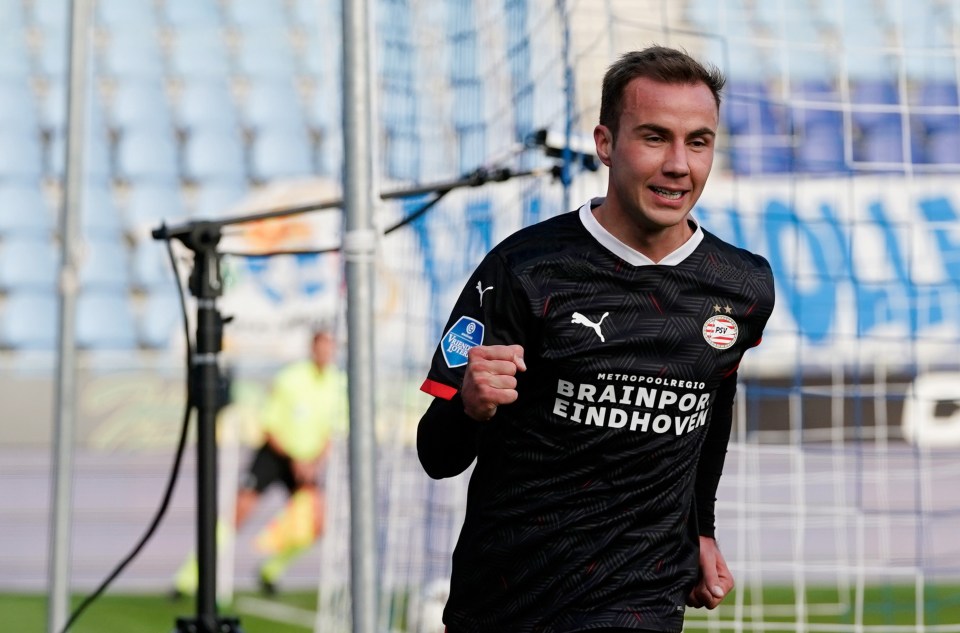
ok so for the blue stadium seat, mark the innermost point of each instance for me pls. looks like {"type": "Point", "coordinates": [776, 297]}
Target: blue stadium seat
{"type": "Point", "coordinates": [51, 14]}
{"type": "Point", "coordinates": [23, 210]}
{"type": "Point", "coordinates": [280, 154]}
{"type": "Point", "coordinates": [273, 104]}
{"type": "Point", "coordinates": [21, 155]}
{"type": "Point", "coordinates": [815, 103]}
{"type": "Point", "coordinates": [162, 318]}
{"type": "Point", "coordinates": [53, 54]}
{"type": "Point", "coordinates": [125, 13]}
{"type": "Point", "coordinates": [943, 147]}
{"type": "Point", "coordinates": [748, 109]}
{"type": "Point", "coordinates": [266, 52]}
{"type": "Point", "coordinates": [752, 156]}
{"type": "Point", "coordinates": [147, 155]}
{"type": "Point", "coordinates": [28, 262]}
{"type": "Point", "coordinates": [149, 204]}
{"type": "Point", "coordinates": [206, 103]}
{"type": "Point", "coordinates": [937, 106]}
{"type": "Point", "coordinates": [17, 105]}
{"type": "Point", "coordinates": [14, 55]}
{"type": "Point", "coordinates": [99, 215]}
{"type": "Point", "coordinates": [151, 267]}
{"type": "Point", "coordinates": [140, 103]}
{"type": "Point", "coordinates": [105, 321]}
{"type": "Point", "coordinates": [214, 154]}
{"type": "Point", "coordinates": [12, 17]}
{"type": "Point", "coordinates": [134, 52]}
{"type": "Point", "coordinates": [200, 52]}
{"type": "Point", "coordinates": [874, 103]}
{"type": "Point", "coordinates": [820, 150]}
{"type": "Point", "coordinates": [191, 13]}
{"type": "Point", "coordinates": [257, 13]}
{"type": "Point", "coordinates": [29, 320]}
{"type": "Point", "coordinates": [885, 144]}
{"type": "Point", "coordinates": [96, 157]}
{"type": "Point", "coordinates": [104, 264]}
{"type": "Point", "coordinates": [216, 198]}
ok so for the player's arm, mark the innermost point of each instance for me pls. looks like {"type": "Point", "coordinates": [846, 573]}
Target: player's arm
{"type": "Point", "coordinates": [715, 579]}
{"type": "Point", "coordinates": [447, 438]}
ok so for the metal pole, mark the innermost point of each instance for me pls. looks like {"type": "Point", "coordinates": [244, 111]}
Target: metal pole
{"type": "Point", "coordinates": [62, 457]}
{"type": "Point", "coordinates": [358, 248]}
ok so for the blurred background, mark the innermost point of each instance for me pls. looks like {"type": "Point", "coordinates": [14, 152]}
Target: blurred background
{"type": "Point", "coordinates": [838, 161]}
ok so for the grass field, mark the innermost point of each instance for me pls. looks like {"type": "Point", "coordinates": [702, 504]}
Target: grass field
{"type": "Point", "coordinates": [828, 610]}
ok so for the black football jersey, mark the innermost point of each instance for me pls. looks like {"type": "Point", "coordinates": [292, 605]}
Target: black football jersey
{"type": "Point", "coordinates": [579, 506]}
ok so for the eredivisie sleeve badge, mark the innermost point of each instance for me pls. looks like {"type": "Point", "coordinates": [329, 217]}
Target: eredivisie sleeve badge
{"type": "Point", "coordinates": [458, 340]}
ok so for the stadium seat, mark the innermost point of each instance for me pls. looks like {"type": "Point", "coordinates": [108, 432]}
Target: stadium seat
{"type": "Point", "coordinates": [21, 155]}
{"type": "Point", "coordinates": [104, 264]}
{"type": "Point", "coordinates": [15, 51]}
{"type": "Point", "coordinates": [105, 321]}
{"type": "Point", "coordinates": [151, 266]}
{"type": "Point", "coordinates": [874, 103]}
{"type": "Point", "coordinates": [885, 145]}
{"type": "Point", "coordinates": [17, 105]}
{"type": "Point", "coordinates": [215, 199]}
{"type": "Point", "coordinates": [29, 320]}
{"type": "Point", "coordinates": [162, 318]}
{"type": "Point", "coordinates": [280, 154]}
{"type": "Point", "coordinates": [28, 262]}
{"type": "Point", "coordinates": [199, 52]}
{"type": "Point", "coordinates": [99, 215]}
{"type": "Point", "coordinates": [125, 13]}
{"type": "Point", "coordinates": [51, 14]}
{"type": "Point", "coordinates": [134, 52]}
{"type": "Point", "coordinates": [150, 204]}
{"type": "Point", "coordinates": [273, 104]}
{"type": "Point", "coordinates": [192, 13]}
{"type": "Point", "coordinates": [266, 52]}
{"type": "Point", "coordinates": [53, 54]}
{"type": "Point", "coordinates": [815, 103]}
{"type": "Point", "coordinates": [752, 156]}
{"type": "Point", "coordinates": [214, 154]}
{"type": "Point", "coordinates": [147, 155]}
{"type": "Point", "coordinates": [943, 147]}
{"type": "Point", "coordinates": [257, 13]}
{"type": "Point", "coordinates": [820, 150]}
{"type": "Point", "coordinates": [140, 103]}
{"type": "Point", "coordinates": [96, 165]}
{"type": "Point", "coordinates": [748, 109]}
{"type": "Point", "coordinates": [206, 103]}
{"type": "Point", "coordinates": [24, 211]}
{"type": "Point", "coordinates": [936, 106]}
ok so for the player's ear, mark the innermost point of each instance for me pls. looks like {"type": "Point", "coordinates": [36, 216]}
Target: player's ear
{"type": "Point", "coordinates": [603, 139]}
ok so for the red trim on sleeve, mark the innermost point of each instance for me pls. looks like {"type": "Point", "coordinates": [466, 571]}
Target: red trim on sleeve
{"type": "Point", "coordinates": [438, 389]}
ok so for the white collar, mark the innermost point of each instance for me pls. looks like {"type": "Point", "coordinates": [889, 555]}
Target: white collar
{"type": "Point", "coordinates": [628, 254]}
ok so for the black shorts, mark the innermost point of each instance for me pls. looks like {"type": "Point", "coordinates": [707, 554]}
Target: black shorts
{"type": "Point", "coordinates": [266, 468]}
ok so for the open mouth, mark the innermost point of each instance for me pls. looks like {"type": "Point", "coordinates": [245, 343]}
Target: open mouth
{"type": "Point", "coordinates": [666, 193]}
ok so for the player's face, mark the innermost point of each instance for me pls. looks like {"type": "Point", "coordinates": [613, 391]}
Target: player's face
{"type": "Point", "coordinates": [662, 155]}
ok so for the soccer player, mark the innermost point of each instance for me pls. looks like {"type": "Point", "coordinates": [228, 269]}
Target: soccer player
{"type": "Point", "coordinates": [589, 367]}
{"type": "Point", "coordinates": [306, 407]}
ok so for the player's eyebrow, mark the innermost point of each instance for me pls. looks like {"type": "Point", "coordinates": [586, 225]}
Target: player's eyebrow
{"type": "Point", "coordinates": [665, 132]}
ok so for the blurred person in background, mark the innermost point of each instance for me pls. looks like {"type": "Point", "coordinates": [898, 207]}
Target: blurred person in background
{"type": "Point", "coordinates": [305, 410]}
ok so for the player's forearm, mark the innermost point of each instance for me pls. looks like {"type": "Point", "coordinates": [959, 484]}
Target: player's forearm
{"type": "Point", "coordinates": [446, 438]}
{"type": "Point", "coordinates": [712, 456]}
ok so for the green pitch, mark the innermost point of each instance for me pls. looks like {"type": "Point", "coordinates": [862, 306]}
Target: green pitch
{"type": "Point", "coordinates": [775, 607]}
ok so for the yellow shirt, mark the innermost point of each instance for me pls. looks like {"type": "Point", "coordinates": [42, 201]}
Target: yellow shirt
{"type": "Point", "coordinates": [305, 408]}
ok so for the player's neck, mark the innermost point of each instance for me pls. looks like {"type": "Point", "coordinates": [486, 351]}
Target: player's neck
{"type": "Point", "coordinates": [654, 242]}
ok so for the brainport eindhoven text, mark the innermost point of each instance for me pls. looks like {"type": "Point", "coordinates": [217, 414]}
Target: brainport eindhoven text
{"type": "Point", "coordinates": [651, 409]}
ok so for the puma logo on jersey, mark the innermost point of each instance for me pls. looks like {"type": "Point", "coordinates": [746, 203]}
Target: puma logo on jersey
{"type": "Point", "coordinates": [482, 290]}
{"type": "Point", "coordinates": [582, 320]}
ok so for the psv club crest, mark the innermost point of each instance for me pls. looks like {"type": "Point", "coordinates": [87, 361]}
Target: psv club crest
{"type": "Point", "coordinates": [720, 331]}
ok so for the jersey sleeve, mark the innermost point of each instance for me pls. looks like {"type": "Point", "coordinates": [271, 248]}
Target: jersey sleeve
{"type": "Point", "coordinates": [713, 454]}
{"type": "Point", "coordinates": [492, 309]}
